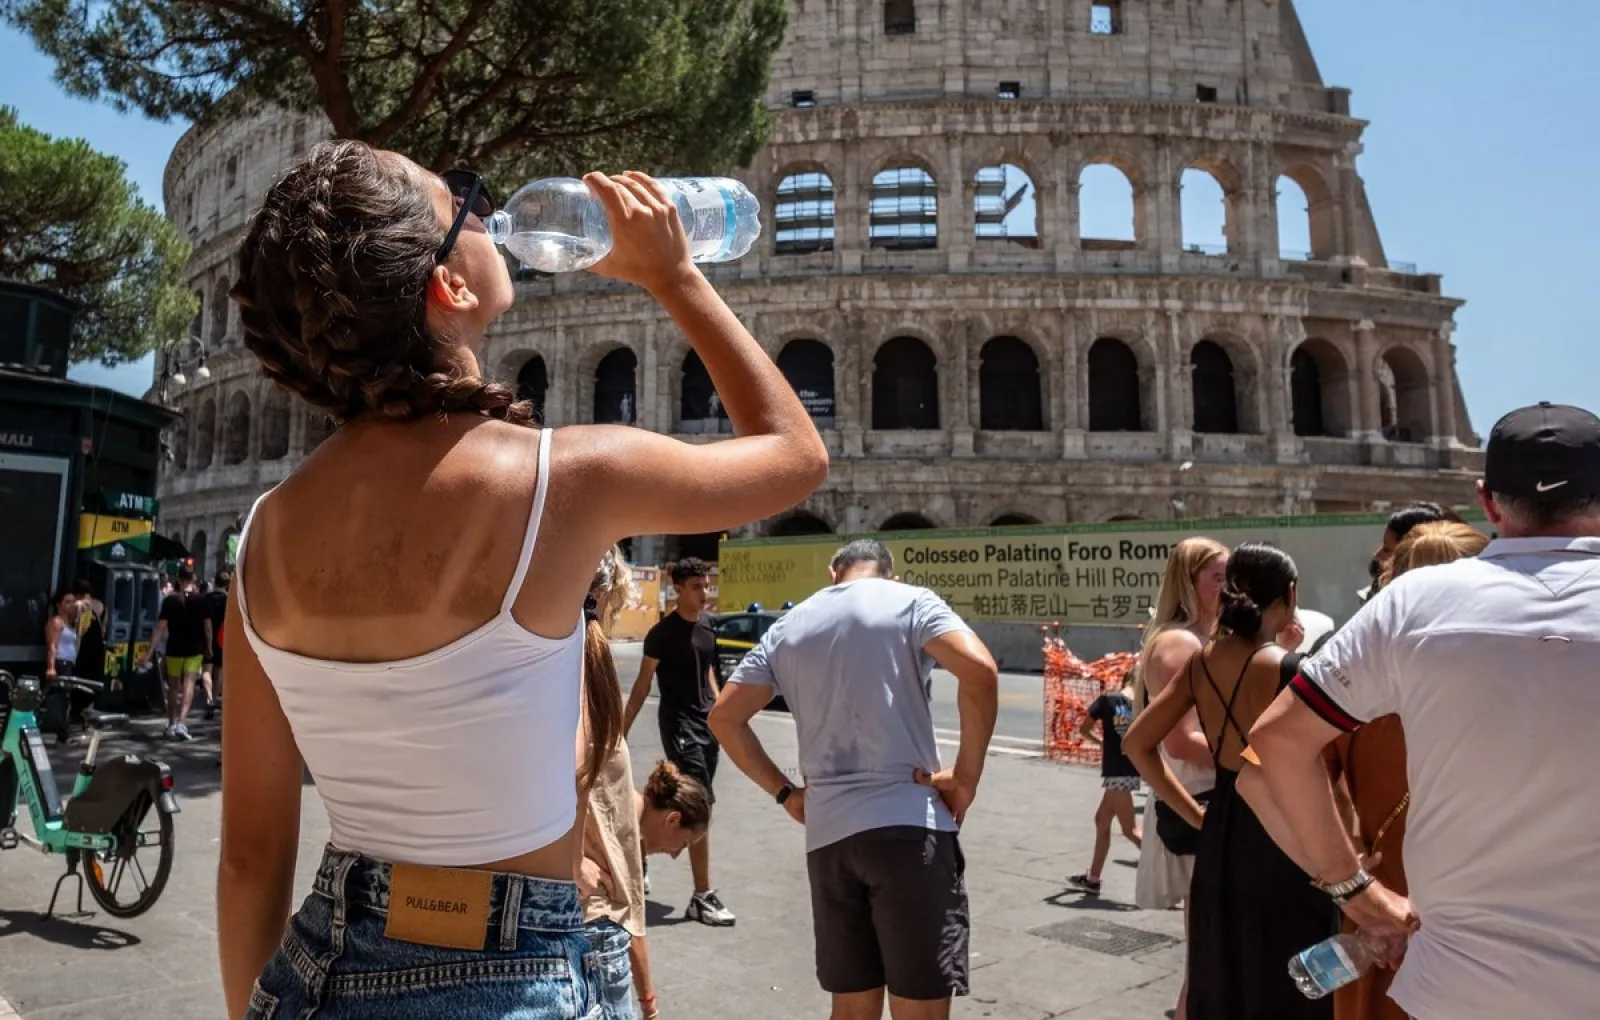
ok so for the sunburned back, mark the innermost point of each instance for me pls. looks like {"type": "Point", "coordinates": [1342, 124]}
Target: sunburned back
{"type": "Point", "coordinates": [1234, 680]}
{"type": "Point", "coordinates": [393, 541]}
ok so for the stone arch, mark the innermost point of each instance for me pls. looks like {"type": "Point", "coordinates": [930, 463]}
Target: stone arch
{"type": "Point", "coordinates": [1010, 386]}
{"type": "Point", "coordinates": [700, 409]}
{"type": "Point", "coordinates": [903, 210]}
{"type": "Point", "coordinates": [803, 211]}
{"type": "Point", "coordinates": [1319, 390]}
{"type": "Point", "coordinates": [205, 434]}
{"type": "Point", "coordinates": [1014, 520]}
{"type": "Point", "coordinates": [180, 447]}
{"type": "Point", "coordinates": [908, 521]}
{"type": "Point", "coordinates": [1307, 214]}
{"type": "Point", "coordinates": [318, 427]}
{"type": "Point", "coordinates": [275, 425]}
{"type": "Point", "coordinates": [905, 385]}
{"type": "Point", "coordinates": [533, 384]}
{"type": "Point", "coordinates": [616, 387]}
{"type": "Point", "coordinates": [808, 365]}
{"type": "Point", "coordinates": [236, 438]}
{"type": "Point", "coordinates": [1005, 204]}
{"type": "Point", "coordinates": [1210, 194]}
{"type": "Point", "coordinates": [1405, 397]}
{"type": "Point", "coordinates": [1214, 385]}
{"type": "Point", "coordinates": [798, 522]}
{"type": "Point", "coordinates": [1110, 214]}
{"type": "Point", "coordinates": [219, 313]}
{"type": "Point", "coordinates": [1116, 400]}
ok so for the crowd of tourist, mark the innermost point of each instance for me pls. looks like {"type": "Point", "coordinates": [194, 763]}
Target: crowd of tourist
{"type": "Point", "coordinates": [467, 729]}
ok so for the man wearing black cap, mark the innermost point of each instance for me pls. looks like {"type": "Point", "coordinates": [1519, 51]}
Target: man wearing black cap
{"type": "Point", "coordinates": [1493, 665]}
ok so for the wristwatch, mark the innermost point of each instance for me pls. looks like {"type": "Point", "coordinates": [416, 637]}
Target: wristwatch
{"type": "Point", "coordinates": [1342, 891]}
{"type": "Point", "coordinates": [783, 794]}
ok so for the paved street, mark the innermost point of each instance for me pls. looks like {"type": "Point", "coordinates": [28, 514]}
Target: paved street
{"type": "Point", "coordinates": [1028, 831]}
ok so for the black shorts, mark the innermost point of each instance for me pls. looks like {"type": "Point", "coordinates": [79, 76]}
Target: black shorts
{"type": "Point", "coordinates": [889, 908]}
{"type": "Point", "coordinates": [696, 753]}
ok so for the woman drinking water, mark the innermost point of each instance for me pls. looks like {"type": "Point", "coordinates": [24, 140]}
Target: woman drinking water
{"type": "Point", "coordinates": [439, 713]}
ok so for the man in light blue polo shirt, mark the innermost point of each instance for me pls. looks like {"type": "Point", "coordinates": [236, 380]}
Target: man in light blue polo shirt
{"type": "Point", "coordinates": [854, 663]}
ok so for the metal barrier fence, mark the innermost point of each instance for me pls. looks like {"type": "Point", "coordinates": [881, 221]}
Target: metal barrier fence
{"type": "Point", "coordinates": [1070, 687]}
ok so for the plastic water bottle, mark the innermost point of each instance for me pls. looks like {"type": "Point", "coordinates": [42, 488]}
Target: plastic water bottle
{"type": "Point", "coordinates": [1330, 965]}
{"type": "Point", "coordinates": [556, 225]}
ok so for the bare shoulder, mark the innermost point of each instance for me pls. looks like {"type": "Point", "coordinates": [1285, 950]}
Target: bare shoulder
{"type": "Point", "coordinates": [1174, 647]}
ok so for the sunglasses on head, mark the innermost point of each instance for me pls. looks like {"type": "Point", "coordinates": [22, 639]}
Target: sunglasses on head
{"type": "Point", "coordinates": [468, 187]}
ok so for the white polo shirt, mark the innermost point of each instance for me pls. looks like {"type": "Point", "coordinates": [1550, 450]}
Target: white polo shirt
{"type": "Point", "coordinates": [1493, 665]}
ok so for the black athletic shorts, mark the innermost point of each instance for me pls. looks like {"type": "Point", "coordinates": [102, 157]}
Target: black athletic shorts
{"type": "Point", "coordinates": [693, 749]}
{"type": "Point", "coordinates": [889, 908]}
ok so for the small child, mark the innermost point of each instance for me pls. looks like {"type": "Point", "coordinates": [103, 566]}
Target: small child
{"type": "Point", "coordinates": [1114, 712]}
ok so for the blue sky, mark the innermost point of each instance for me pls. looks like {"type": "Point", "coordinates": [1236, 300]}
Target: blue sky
{"type": "Point", "coordinates": [1480, 164]}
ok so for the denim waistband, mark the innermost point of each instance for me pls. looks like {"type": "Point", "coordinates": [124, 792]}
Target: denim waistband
{"type": "Point", "coordinates": [515, 901]}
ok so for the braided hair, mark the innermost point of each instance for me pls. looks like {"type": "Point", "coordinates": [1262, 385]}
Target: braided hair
{"type": "Point", "coordinates": [333, 279]}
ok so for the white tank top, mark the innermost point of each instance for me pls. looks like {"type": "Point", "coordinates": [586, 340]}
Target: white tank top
{"type": "Point", "coordinates": [67, 644]}
{"type": "Point", "coordinates": [461, 756]}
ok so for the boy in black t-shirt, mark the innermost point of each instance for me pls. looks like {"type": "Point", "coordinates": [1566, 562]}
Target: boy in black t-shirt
{"type": "Point", "coordinates": [1114, 712]}
{"type": "Point", "coordinates": [680, 654]}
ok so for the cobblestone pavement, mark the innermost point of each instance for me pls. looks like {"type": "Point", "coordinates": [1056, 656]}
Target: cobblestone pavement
{"type": "Point", "coordinates": [1039, 948]}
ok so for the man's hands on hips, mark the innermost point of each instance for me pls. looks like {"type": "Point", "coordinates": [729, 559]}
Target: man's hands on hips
{"type": "Point", "coordinates": [795, 804]}
{"type": "Point", "coordinates": [956, 790]}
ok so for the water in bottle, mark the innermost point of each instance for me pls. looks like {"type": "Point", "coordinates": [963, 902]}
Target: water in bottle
{"type": "Point", "coordinates": [556, 225]}
{"type": "Point", "coordinates": [1334, 963]}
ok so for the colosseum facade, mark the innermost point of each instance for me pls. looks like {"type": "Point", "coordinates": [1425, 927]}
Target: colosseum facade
{"type": "Point", "coordinates": [931, 279]}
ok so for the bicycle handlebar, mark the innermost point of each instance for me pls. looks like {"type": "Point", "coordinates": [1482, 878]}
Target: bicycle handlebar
{"type": "Point", "coordinates": [87, 686]}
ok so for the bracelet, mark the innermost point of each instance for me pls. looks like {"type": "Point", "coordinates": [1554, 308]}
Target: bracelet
{"type": "Point", "coordinates": [1350, 887]}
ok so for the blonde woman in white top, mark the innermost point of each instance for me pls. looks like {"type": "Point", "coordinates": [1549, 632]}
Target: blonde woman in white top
{"type": "Point", "coordinates": [1185, 616]}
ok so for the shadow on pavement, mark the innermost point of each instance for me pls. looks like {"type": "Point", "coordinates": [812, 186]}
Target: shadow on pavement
{"type": "Point", "coordinates": [659, 915]}
{"type": "Point", "coordinates": [1077, 899]}
{"type": "Point", "coordinates": [72, 934]}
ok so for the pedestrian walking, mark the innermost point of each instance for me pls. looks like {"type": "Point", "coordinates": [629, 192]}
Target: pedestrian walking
{"type": "Point", "coordinates": [1113, 713]}
{"type": "Point", "coordinates": [1251, 907]}
{"type": "Point", "coordinates": [1490, 665]}
{"type": "Point", "coordinates": [680, 655]}
{"type": "Point", "coordinates": [217, 609]}
{"type": "Point", "coordinates": [439, 714]}
{"type": "Point", "coordinates": [185, 626]}
{"type": "Point", "coordinates": [854, 664]}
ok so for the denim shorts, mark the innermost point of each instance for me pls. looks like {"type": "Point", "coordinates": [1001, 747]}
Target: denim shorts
{"type": "Point", "coordinates": [336, 963]}
{"type": "Point", "coordinates": [613, 983]}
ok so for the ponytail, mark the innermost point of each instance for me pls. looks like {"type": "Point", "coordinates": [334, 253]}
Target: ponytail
{"type": "Point", "coordinates": [602, 699]}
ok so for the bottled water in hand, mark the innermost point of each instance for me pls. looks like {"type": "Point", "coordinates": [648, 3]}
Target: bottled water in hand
{"type": "Point", "coordinates": [1336, 962]}
{"type": "Point", "coordinates": [556, 225]}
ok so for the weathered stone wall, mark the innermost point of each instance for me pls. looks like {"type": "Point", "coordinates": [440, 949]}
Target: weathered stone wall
{"type": "Point", "coordinates": [1374, 341]}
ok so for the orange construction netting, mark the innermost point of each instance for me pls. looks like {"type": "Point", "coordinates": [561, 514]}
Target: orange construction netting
{"type": "Point", "coordinates": [1070, 685]}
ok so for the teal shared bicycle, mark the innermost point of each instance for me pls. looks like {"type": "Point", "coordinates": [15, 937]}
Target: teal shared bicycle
{"type": "Point", "coordinates": [117, 823]}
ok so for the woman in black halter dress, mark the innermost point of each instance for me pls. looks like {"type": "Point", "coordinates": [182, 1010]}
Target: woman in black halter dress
{"type": "Point", "coordinates": [1251, 907]}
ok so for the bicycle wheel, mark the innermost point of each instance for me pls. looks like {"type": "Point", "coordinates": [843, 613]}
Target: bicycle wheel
{"type": "Point", "coordinates": [128, 880]}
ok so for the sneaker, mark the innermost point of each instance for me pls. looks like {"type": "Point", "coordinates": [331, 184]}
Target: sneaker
{"type": "Point", "coordinates": [647, 885]}
{"type": "Point", "coordinates": [181, 732]}
{"type": "Point", "coordinates": [171, 732]}
{"type": "Point", "coordinates": [708, 909]}
{"type": "Point", "coordinates": [1087, 884]}
{"type": "Point", "coordinates": [211, 712]}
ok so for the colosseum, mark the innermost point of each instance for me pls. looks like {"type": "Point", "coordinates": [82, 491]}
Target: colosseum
{"type": "Point", "coordinates": [974, 269]}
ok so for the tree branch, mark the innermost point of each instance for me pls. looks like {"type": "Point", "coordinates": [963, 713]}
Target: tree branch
{"type": "Point", "coordinates": [428, 74]}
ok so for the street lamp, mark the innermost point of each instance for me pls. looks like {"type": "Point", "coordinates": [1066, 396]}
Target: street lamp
{"type": "Point", "coordinates": [173, 364]}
